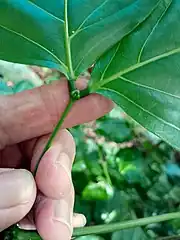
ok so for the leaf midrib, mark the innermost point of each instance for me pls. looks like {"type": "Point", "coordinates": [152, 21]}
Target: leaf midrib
{"type": "Point", "coordinates": [68, 43]}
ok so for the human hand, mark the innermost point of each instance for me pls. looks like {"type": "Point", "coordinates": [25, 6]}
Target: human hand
{"type": "Point", "coordinates": [25, 123]}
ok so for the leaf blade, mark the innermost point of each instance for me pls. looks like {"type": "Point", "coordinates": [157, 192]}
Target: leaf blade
{"type": "Point", "coordinates": [96, 35]}
{"type": "Point", "coordinates": [54, 32]}
{"type": "Point", "coordinates": [29, 35]}
{"type": "Point", "coordinates": [147, 90]}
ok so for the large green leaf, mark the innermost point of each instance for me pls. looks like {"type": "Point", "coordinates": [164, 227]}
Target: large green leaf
{"type": "Point", "coordinates": [142, 73]}
{"type": "Point", "coordinates": [68, 35]}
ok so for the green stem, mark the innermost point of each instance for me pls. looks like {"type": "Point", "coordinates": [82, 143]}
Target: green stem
{"type": "Point", "coordinates": [67, 41]}
{"type": "Point", "coordinates": [108, 228]}
{"type": "Point", "coordinates": [85, 92]}
{"type": "Point", "coordinates": [106, 172]}
{"type": "Point", "coordinates": [102, 229]}
{"type": "Point", "coordinates": [104, 165]}
{"type": "Point", "coordinates": [170, 238]}
{"type": "Point", "coordinates": [54, 133]}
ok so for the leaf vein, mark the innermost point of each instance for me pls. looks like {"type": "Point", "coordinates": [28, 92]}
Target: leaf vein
{"type": "Point", "coordinates": [44, 10]}
{"type": "Point", "coordinates": [99, 43]}
{"type": "Point", "coordinates": [148, 87]}
{"type": "Point", "coordinates": [109, 63]}
{"type": "Point", "coordinates": [80, 28]}
{"type": "Point", "coordinates": [150, 34]}
{"type": "Point", "coordinates": [95, 23]}
{"type": "Point", "coordinates": [35, 43]}
{"type": "Point", "coordinates": [105, 39]}
{"type": "Point", "coordinates": [142, 64]}
{"type": "Point", "coordinates": [143, 109]}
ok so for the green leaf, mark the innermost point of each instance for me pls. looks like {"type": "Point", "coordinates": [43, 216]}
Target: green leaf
{"type": "Point", "coordinates": [68, 35]}
{"type": "Point", "coordinates": [98, 191]}
{"type": "Point", "coordinates": [133, 166]}
{"type": "Point", "coordinates": [161, 187]}
{"type": "Point", "coordinates": [173, 172]}
{"type": "Point", "coordinates": [115, 209]}
{"type": "Point", "coordinates": [174, 194]}
{"type": "Point", "coordinates": [114, 130]}
{"type": "Point", "coordinates": [35, 34]}
{"type": "Point", "coordinates": [141, 73]}
{"type": "Point", "coordinates": [130, 234]}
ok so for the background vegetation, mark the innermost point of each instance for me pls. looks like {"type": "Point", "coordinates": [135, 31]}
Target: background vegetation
{"type": "Point", "coordinates": [121, 171]}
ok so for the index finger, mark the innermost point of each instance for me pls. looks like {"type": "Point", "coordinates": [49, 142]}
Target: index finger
{"type": "Point", "coordinates": [34, 113]}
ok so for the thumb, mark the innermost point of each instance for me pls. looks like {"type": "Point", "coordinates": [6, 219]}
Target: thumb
{"type": "Point", "coordinates": [17, 195]}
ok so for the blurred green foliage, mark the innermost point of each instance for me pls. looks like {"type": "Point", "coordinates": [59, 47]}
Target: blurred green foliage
{"type": "Point", "coordinates": [121, 172]}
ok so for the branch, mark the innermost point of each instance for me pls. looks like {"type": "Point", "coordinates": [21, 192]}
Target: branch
{"type": "Point", "coordinates": [102, 229]}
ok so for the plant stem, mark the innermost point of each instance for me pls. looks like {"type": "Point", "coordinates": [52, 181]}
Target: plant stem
{"type": "Point", "coordinates": [67, 41]}
{"type": "Point", "coordinates": [106, 172]}
{"type": "Point", "coordinates": [170, 238]}
{"type": "Point", "coordinates": [54, 133]}
{"type": "Point", "coordinates": [108, 228]}
{"type": "Point", "coordinates": [104, 165]}
{"type": "Point", "coordinates": [102, 229]}
{"type": "Point", "coordinates": [85, 92]}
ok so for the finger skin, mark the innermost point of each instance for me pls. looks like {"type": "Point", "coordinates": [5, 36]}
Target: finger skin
{"type": "Point", "coordinates": [54, 205]}
{"type": "Point", "coordinates": [79, 220]}
{"type": "Point", "coordinates": [52, 224]}
{"type": "Point", "coordinates": [18, 192]}
{"type": "Point", "coordinates": [35, 112]}
{"type": "Point", "coordinates": [53, 176]}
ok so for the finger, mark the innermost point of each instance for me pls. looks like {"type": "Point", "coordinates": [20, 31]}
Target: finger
{"type": "Point", "coordinates": [10, 157]}
{"type": "Point", "coordinates": [53, 176]}
{"type": "Point", "coordinates": [18, 192]}
{"type": "Point", "coordinates": [27, 223]}
{"type": "Point", "coordinates": [53, 218]}
{"type": "Point", "coordinates": [35, 112]}
{"type": "Point", "coordinates": [79, 220]}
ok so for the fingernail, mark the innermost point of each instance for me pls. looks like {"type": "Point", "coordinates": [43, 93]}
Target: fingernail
{"type": "Point", "coordinates": [26, 226]}
{"type": "Point", "coordinates": [27, 223]}
{"type": "Point", "coordinates": [63, 214]}
{"type": "Point", "coordinates": [79, 220]}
